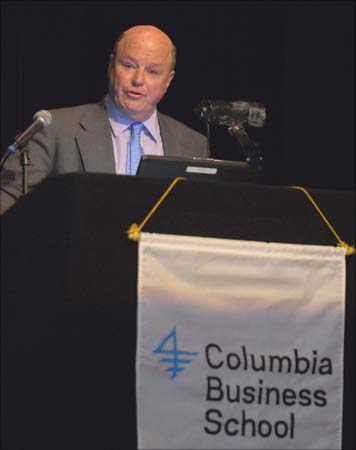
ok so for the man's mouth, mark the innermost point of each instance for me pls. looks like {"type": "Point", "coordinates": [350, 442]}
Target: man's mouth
{"type": "Point", "coordinates": [134, 94]}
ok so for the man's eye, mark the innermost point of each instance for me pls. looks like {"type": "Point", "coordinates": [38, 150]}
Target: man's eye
{"type": "Point", "coordinates": [153, 71]}
{"type": "Point", "coordinates": [126, 64]}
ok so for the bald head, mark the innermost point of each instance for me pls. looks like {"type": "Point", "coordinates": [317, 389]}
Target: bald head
{"type": "Point", "coordinates": [152, 37]}
{"type": "Point", "coordinates": [140, 71]}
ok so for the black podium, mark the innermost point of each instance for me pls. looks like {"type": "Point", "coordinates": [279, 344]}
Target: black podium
{"type": "Point", "coordinates": [69, 293]}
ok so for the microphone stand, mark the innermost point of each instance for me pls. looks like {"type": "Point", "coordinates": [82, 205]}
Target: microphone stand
{"type": "Point", "coordinates": [25, 162]}
{"type": "Point", "coordinates": [251, 149]}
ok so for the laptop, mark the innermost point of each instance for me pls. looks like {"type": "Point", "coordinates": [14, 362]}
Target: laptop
{"type": "Point", "coordinates": [205, 169]}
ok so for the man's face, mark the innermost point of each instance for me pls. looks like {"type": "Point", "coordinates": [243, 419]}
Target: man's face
{"type": "Point", "coordinates": [140, 72]}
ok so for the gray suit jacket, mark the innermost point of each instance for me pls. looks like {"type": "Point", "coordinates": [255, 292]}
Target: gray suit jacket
{"type": "Point", "coordinates": [79, 140]}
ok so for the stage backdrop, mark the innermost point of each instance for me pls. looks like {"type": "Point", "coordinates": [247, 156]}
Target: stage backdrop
{"type": "Point", "coordinates": [296, 58]}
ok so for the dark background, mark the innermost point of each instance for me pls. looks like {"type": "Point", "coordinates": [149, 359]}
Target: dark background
{"type": "Point", "coordinates": [297, 58]}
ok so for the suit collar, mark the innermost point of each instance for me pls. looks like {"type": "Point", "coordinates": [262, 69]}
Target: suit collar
{"type": "Point", "coordinates": [94, 140]}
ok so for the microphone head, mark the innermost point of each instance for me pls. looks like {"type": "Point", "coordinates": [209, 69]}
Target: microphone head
{"type": "Point", "coordinates": [44, 116]}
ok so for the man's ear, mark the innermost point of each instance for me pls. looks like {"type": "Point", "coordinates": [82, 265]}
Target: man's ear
{"type": "Point", "coordinates": [169, 79]}
{"type": "Point", "coordinates": [111, 60]}
{"type": "Point", "coordinates": [111, 63]}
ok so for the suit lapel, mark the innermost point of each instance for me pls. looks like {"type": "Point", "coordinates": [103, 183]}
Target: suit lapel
{"type": "Point", "coordinates": [94, 141]}
{"type": "Point", "coordinates": [170, 141]}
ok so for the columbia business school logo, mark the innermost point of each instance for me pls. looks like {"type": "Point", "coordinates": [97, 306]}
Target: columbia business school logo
{"type": "Point", "coordinates": [239, 399]}
{"type": "Point", "coordinates": [176, 359]}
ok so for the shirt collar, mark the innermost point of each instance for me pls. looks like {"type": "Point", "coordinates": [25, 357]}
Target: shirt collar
{"type": "Point", "coordinates": [120, 123]}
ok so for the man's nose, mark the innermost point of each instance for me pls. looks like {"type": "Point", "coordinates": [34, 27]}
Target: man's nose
{"type": "Point", "coordinates": [138, 77]}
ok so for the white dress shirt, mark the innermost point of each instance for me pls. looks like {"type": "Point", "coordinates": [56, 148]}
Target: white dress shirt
{"type": "Point", "coordinates": [151, 140]}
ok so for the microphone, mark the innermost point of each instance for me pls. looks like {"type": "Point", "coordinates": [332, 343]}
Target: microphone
{"type": "Point", "coordinates": [223, 112]}
{"type": "Point", "coordinates": [42, 119]}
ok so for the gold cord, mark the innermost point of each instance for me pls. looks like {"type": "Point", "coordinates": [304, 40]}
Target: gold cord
{"type": "Point", "coordinates": [133, 232]}
{"type": "Point", "coordinates": [350, 250]}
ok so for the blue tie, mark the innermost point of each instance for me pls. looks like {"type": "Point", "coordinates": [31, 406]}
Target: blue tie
{"type": "Point", "coordinates": [134, 149]}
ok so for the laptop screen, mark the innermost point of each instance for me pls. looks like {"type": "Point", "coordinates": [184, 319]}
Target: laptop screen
{"type": "Point", "coordinates": [197, 169]}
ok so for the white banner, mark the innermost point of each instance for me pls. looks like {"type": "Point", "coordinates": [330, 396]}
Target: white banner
{"type": "Point", "coordinates": [240, 344]}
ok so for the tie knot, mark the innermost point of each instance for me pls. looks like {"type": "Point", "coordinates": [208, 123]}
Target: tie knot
{"type": "Point", "coordinates": [136, 128]}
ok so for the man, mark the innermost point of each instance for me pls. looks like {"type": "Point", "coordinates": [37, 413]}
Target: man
{"type": "Point", "coordinates": [110, 136]}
